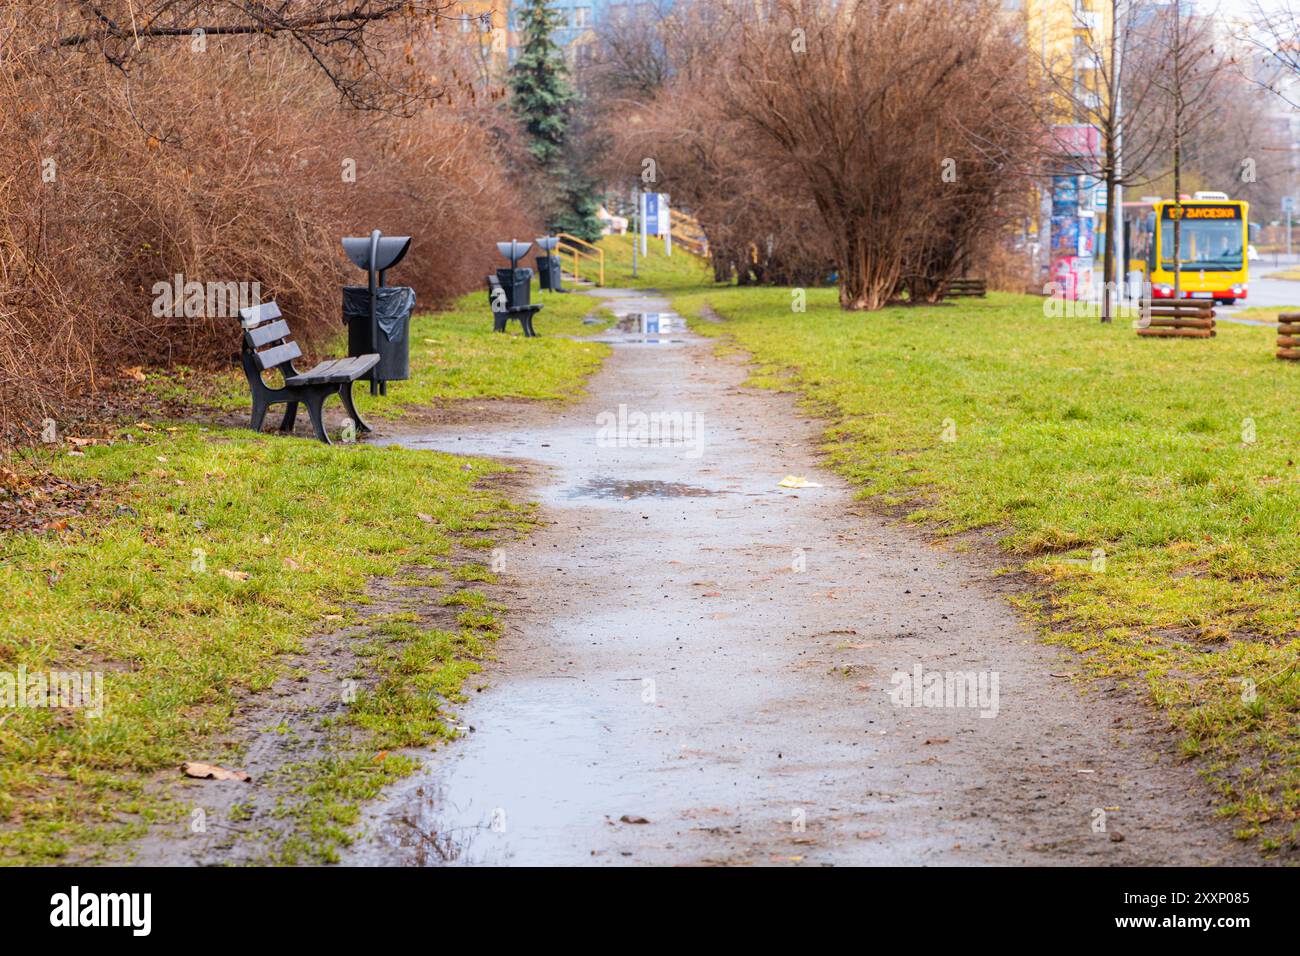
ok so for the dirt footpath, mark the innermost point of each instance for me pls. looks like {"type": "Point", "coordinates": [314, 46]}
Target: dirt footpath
{"type": "Point", "coordinates": [704, 667]}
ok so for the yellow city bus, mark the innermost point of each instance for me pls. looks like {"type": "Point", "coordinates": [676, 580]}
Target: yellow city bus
{"type": "Point", "coordinates": [1212, 248]}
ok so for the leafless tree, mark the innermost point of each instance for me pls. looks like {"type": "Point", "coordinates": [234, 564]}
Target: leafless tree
{"type": "Point", "coordinates": [357, 44]}
{"type": "Point", "coordinates": [1188, 76]}
{"type": "Point", "coordinates": [1275, 37]}
{"type": "Point", "coordinates": [907, 129]}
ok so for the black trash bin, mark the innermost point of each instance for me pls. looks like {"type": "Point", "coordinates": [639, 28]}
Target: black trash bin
{"type": "Point", "coordinates": [379, 316]}
{"type": "Point", "coordinates": [518, 286]}
{"type": "Point", "coordinates": [548, 265]}
{"type": "Point", "coordinates": [393, 305]}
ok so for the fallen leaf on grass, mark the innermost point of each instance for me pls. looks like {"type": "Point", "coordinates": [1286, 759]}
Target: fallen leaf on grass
{"type": "Point", "coordinates": [234, 575]}
{"type": "Point", "coordinates": [427, 519]}
{"type": "Point", "coordinates": [134, 372]}
{"type": "Point", "coordinates": [79, 442]}
{"type": "Point", "coordinates": [207, 771]}
{"type": "Point", "coordinates": [292, 565]}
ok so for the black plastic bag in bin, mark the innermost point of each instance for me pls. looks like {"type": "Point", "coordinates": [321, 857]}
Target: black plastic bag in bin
{"type": "Point", "coordinates": [393, 305]}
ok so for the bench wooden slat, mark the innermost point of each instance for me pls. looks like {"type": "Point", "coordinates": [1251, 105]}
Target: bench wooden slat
{"type": "Point", "coordinates": [335, 371]}
{"type": "Point", "coordinates": [252, 315]}
{"type": "Point", "coordinates": [266, 334]}
{"type": "Point", "coordinates": [278, 355]}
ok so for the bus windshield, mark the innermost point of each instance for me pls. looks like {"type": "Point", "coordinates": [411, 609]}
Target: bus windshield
{"type": "Point", "coordinates": [1208, 245]}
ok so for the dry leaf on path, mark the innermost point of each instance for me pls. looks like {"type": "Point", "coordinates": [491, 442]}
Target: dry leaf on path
{"type": "Point", "coordinates": [796, 481]}
{"type": "Point", "coordinates": [208, 771]}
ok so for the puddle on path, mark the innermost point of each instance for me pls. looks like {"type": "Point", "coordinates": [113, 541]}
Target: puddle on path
{"type": "Point", "coordinates": [632, 488]}
{"type": "Point", "coordinates": [650, 328]}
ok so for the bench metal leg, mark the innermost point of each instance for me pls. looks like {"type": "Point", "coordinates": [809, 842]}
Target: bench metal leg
{"type": "Point", "coordinates": [345, 393]}
{"type": "Point", "coordinates": [527, 323]}
{"type": "Point", "coordinates": [498, 322]}
{"type": "Point", "coordinates": [290, 414]}
{"type": "Point", "coordinates": [259, 413]}
{"type": "Point", "coordinates": [314, 403]}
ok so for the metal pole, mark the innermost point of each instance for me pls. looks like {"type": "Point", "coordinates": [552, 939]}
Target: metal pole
{"type": "Point", "coordinates": [636, 225]}
{"type": "Point", "coordinates": [645, 251]}
{"type": "Point", "coordinates": [1117, 214]}
{"type": "Point", "coordinates": [375, 385]}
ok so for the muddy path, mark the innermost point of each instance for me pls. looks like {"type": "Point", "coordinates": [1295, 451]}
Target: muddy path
{"type": "Point", "coordinates": [700, 667]}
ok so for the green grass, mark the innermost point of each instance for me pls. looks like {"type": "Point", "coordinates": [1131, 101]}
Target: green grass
{"type": "Point", "coordinates": [455, 355]}
{"type": "Point", "coordinates": [654, 270]}
{"type": "Point", "coordinates": [1265, 313]}
{"type": "Point", "coordinates": [1174, 462]}
{"type": "Point", "coordinates": [174, 587]}
{"type": "Point", "coordinates": [136, 590]}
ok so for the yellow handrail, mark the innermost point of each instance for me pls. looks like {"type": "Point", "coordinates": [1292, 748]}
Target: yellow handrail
{"type": "Point", "coordinates": [578, 249]}
{"type": "Point", "coordinates": [688, 234]}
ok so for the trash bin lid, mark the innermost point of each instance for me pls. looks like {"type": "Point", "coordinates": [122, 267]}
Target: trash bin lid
{"type": "Point", "coordinates": [514, 251]}
{"type": "Point", "coordinates": [548, 243]}
{"type": "Point", "coordinates": [392, 249]}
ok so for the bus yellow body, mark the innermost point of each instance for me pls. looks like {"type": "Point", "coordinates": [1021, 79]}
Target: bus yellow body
{"type": "Point", "coordinates": [1212, 248]}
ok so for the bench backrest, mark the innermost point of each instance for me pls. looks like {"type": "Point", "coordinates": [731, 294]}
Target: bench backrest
{"type": "Point", "coordinates": [267, 339]}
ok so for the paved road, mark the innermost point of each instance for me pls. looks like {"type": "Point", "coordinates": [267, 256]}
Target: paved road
{"type": "Point", "coordinates": [1266, 292]}
{"type": "Point", "coordinates": [701, 667]}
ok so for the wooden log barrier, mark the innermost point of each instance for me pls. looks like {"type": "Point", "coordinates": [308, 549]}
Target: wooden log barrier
{"type": "Point", "coordinates": [1288, 336]}
{"type": "Point", "coordinates": [1177, 333]}
{"type": "Point", "coordinates": [1198, 323]}
{"type": "Point", "coordinates": [1177, 319]}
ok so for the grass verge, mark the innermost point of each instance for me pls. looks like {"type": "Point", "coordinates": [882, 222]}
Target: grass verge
{"type": "Point", "coordinates": [455, 355]}
{"type": "Point", "coordinates": [1152, 485]}
{"type": "Point", "coordinates": [207, 559]}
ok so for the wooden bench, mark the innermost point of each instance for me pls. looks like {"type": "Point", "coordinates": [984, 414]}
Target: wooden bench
{"type": "Point", "coordinates": [503, 310]}
{"type": "Point", "coordinates": [966, 287]}
{"type": "Point", "coordinates": [268, 345]}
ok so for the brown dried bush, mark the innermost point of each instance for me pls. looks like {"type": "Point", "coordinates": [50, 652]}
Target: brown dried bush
{"type": "Point", "coordinates": [226, 166]}
{"type": "Point", "coordinates": [894, 140]}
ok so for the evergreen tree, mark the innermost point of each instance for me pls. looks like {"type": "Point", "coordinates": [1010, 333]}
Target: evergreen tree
{"type": "Point", "coordinates": [542, 98]}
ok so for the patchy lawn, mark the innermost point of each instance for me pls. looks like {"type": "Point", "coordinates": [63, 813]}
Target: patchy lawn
{"type": "Point", "coordinates": [1152, 485]}
{"type": "Point", "coordinates": [185, 565]}
{"type": "Point", "coordinates": [454, 355]}
{"type": "Point", "coordinates": [654, 270]}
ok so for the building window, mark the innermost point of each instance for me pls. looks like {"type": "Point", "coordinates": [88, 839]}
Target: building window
{"type": "Point", "coordinates": [581, 16]}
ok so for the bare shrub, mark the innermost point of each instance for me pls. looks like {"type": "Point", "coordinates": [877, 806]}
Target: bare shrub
{"type": "Point", "coordinates": [240, 163]}
{"type": "Point", "coordinates": [879, 136]}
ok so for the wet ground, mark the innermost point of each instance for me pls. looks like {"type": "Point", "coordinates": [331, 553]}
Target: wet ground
{"type": "Point", "coordinates": [701, 667]}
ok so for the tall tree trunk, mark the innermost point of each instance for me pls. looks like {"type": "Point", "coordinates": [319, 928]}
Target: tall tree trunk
{"type": "Point", "coordinates": [1178, 151]}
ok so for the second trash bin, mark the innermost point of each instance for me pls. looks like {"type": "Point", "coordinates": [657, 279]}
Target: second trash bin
{"type": "Point", "coordinates": [548, 265]}
{"type": "Point", "coordinates": [378, 317]}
